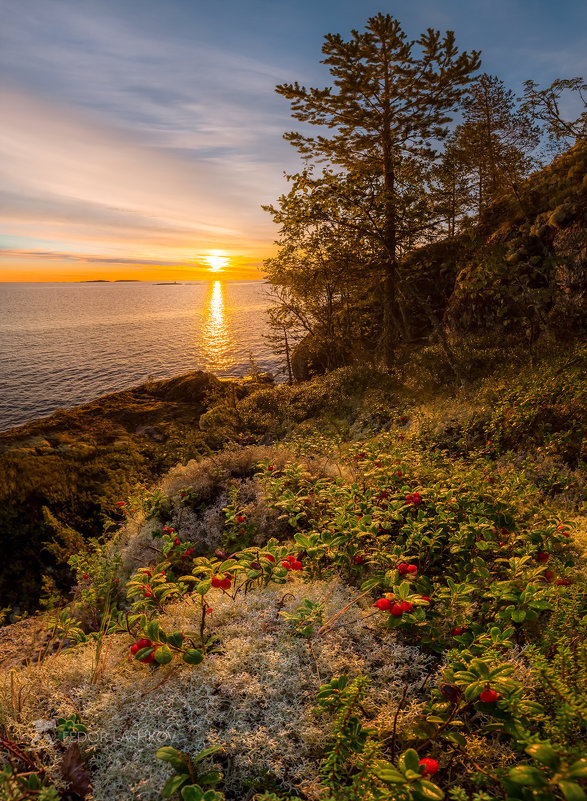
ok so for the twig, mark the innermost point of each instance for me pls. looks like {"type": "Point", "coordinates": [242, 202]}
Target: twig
{"type": "Point", "coordinates": [326, 627]}
{"type": "Point", "coordinates": [315, 661]}
{"type": "Point", "coordinates": [395, 717]}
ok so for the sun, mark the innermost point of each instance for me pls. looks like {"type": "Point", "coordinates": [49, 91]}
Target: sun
{"type": "Point", "coordinates": [216, 262]}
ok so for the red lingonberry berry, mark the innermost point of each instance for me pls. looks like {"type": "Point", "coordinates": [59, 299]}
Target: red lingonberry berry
{"type": "Point", "coordinates": [457, 631]}
{"type": "Point", "coordinates": [286, 565]}
{"type": "Point", "coordinates": [134, 648]}
{"type": "Point", "coordinates": [85, 576]}
{"type": "Point", "coordinates": [489, 696]}
{"type": "Point", "coordinates": [564, 582]}
{"type": "Point", "coordinates": [176, 541]}
{"type": "Point", "coordinates": [406, 606]}
{"type": "Point", "coordinates": [425, 598]}
{"type": "Point", "coordinates": [416, 498]}
{"type": "Point", "coordinates": [397, 610]}
{"type": "Point", "coordinates": [240, 519]}
{"type": "Point", "coordinates": [409, 498]}
{"type": "Point", "coordinates": [290, 558]}
{"type": "Point", "coordinates": [430, 766]}
{"type": "Point", "coordinates": [226, 582]}
{"type": "Point", "coordinates": [412, 569]}
{"type": "Point", "coordinates": [268, 556]}
{"type": "Point", "coordinates": [120, 503]}
{"type": "Point", "coordinates": [403, 568]}
{"type": "Point", "coordinates": [542, 556]}
{"type": "Point", "coordinates": [399, 473]}
{"type": "Point", "coordinates": [384, 604]}
{"type": "Point", "coordinates": [144, 643]}
{"type": "Point", "coordinates": [216, 581]}
{"type": "Point", "coordinates": [358, 560]}
{"type": "Point", "coordinates": [297, 565]}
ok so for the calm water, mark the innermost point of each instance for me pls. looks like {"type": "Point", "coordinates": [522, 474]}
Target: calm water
{"type": "Point", "coordinates": [66, 344]}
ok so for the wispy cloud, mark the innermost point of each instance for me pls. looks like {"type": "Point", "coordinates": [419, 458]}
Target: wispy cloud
{"type": "Point", "coordinates": [97, 187]}
{"type": "Point", "coordinates": [120, 142]}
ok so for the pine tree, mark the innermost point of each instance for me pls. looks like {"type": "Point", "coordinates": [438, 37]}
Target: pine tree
{"type": "Point", "coordinates": [390, 101]}
{"type": "Point", "coordinates": [494, 143]}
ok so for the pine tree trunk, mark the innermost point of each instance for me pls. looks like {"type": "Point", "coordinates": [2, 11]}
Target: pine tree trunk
{"type": "Point", "coordinates": [287, 357]}
{"type": "Point", "coordinates": [388, 338]}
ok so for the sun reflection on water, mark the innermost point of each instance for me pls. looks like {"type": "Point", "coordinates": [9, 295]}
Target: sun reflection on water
{"type": "Point", "coordinates": [216, 343]}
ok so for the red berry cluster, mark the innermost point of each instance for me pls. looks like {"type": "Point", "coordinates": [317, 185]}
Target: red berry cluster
{"type": "Point", "coordinates": [222, 582]}
{"type": "Point", "coordinates": [394, 608]}
{"type": "Point", "coordinates": [405, 568]}
{"type": "Point", "coordinates": [139, 645]}
{"type": "Point", "coordinates": [291, 563]}
{"type": "Point", "coordinates": [430, 766]}
{"type": "Point", "coordinates": [414, 497]}
{"type": "Point", "coordinates": [488, 696]}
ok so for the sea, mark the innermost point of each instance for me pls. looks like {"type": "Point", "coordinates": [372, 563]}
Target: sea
{"type": "Point", "coordinates": [64, 344]}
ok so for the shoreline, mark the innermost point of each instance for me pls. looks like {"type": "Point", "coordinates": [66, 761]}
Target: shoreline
{"type": "Point", "coordinates": [186, 388]}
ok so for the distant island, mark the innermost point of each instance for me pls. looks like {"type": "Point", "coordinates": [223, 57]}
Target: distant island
{"type": "Point", "coordinates": [168, 283]}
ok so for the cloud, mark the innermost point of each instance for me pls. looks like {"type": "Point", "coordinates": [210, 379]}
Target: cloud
{"type": "Point", "coordinates": [65, 177]}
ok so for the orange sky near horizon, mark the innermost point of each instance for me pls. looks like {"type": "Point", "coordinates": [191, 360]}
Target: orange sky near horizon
{"type": "Point", "coordinates": [28, 268]}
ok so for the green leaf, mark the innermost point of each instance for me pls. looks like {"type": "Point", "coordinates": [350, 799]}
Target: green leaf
{"type": "Point", "coordinates": [429, 790]}
{"type": "Point", "coordinates": [210, 777]}
{"type": "Point", "coordinates": [206, 753]}
{"type": "Point", "coordinates": [527, 775]}
{"type": "Point", "coordinates": [571, 790]}
{"type": "Point", "coordinates": [144, 652]}
{"type": "Point", "coordinates": [151, 630]}
{"type": "Point", "coordinates": [204, 586]}
{"type": "Point", "coordinates": [163, 655]}
{"type": "Point", "coordinates": [455, 737]}
{"type": "Point", "coordinates": [175, 758]}
{"type": "Point", "coordinates": [192, 793]}
{"type": "Point", "coordinates": [544, 753]}
{"type": "Point", "coordinates": [519, 615]}
{"type": "Point", "coordinates": [173, 784]}
{"type": "Point", "coordinates": [410, 760]}
{"type": "Point", "coordinates": [193, 656]}
{"type": "Point", "coordinates": [389, 775]}
{"type": "Point", "coordinates": [175, 639]}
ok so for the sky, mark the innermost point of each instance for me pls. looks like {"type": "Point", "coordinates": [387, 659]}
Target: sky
{"type": "Point", "coordinates": [139, 138]}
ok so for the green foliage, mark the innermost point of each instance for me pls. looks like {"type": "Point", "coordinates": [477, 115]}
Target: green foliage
{"type": "Point", "coordinates": [353, 767]}
{"type": "Point", "coordinates": [72, 725]}
{"type": "Point", "coordinates": [306, 618]}
{"type": "Point", "coordinates": [96, 572]}
{"type": "Point", "coordinates": [188, 781]}
{"type": "Point", "coordinates": [15, 786]}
